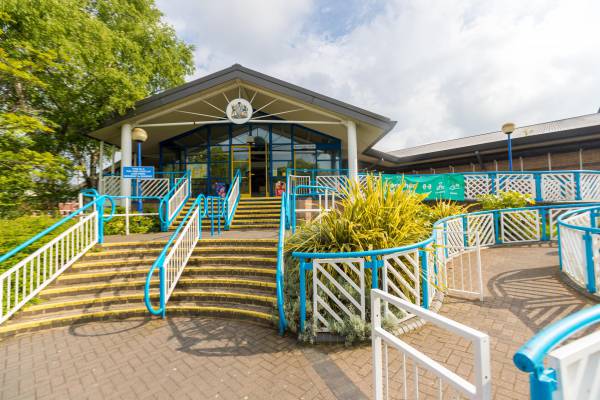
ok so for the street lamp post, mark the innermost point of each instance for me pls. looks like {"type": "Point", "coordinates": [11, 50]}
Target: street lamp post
{"type": "Point", "coordinates": [508, 128]}
{"type": "Point", "coordinates": [139, 136]}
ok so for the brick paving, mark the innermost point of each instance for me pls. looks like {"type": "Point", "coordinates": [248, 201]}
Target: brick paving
{"type": "Point", "coordinates": [225, 359]}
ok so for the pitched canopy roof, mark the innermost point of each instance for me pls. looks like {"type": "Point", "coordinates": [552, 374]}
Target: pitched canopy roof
{"type": "Point", "coordinates": [372, 126]}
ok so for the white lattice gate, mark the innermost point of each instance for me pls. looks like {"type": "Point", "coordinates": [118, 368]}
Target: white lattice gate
{"type": "Point", "coordinates": [338, 288]}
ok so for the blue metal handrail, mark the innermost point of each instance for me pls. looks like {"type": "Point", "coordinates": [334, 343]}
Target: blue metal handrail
{"type": "Point", "coordinates": [229, 216]}
{"type": "Point", "coordinates": [221, 212]}
{"type": "Point", "coordinates": [163, 207]}
{"type": "Point", "coordinates": [159, 263]}
{"type": "Point", "coordinates": [530, 357]}
{"type": "Point", "coordinates": [97, 201]}
{"type": "Point", "coordinates": [280, 260]}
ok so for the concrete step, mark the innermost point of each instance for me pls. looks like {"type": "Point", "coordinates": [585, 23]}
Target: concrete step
{"type": "Point", "coordinates": [235, 226]}
{"type": "Point", "coordinates": [255, 283]}
{"type": "Point", "coordinates": [103, 276]}
{"type": "Point", "coordinates": [135, 310]}
{"type": "Point", "coordinates": [198, 296]}
{"type": "Point", "coordinates": [142, 254]}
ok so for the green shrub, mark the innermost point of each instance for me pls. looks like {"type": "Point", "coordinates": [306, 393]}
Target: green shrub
{"type": "Point", "coordinates": [505, 200]}
{"type": "Point", "coordinates": [446, 208]}
{"type": "Point", "coordinates": [374, 216]}
{"type": "Point", "coordinates": [145, 224]}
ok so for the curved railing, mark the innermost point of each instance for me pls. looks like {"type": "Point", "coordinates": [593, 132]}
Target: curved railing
{"type": "Point", "coordinates": [569, 364]}
{"type": "Point", "coordinates": [425, 262]}
{"type": "Point", "coordinates": [172, 203]}
{"type": "Point", "coordinates": [174, 256]}
{"type": "Point", "coordinates": [23, 281]}
{"type": "Point", "coordinates": [232, 198]}
{"type": "Point", "coordinates": [579, 246]}
{"type": "Point", "coordinates": [281, 265]}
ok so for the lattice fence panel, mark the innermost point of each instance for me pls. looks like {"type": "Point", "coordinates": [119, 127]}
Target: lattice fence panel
{"type": "Point", "coordinates": [484, 225]}
{"type": "Point", "coordinates": [572, 254]}
{"type": "Point", "coordinates": [455, 236]}
{"type": "Point", "coordinates": [338, 290]}
{"type": "Point", "coordinates": [590, 187]}
{"type": "Point", "coordinates": [401, 275]}
{"type": "Point", "coordinates": [522, 183]}
{"type": "Point", "coordinates": [476, 185]}
{"type": "Point", "coordinates": [157, 187]}
{"type": "Point", "coordinates": [558, 187]}
{"type": "Point", "coordinates": [553, 215]}
{"type": "Point", "coordinates": [111, 185]}
{"type": "Point", "coordinates": [520, 226]}
{"type": "Point", "coordinates": [337, 182]}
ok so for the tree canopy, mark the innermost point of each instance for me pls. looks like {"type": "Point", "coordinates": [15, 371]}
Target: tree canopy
{"type": "Point", "coordinates": [65, 67]}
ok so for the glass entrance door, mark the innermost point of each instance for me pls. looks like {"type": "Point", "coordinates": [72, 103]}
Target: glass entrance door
{"type": "Point", "coordinates": [241, 158]}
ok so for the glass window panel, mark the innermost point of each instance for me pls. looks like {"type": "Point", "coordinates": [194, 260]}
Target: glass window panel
{"type": "Point", "coordinates": [219, 134]}
{"type": "Point", "coordinates": [279, 167]}
{"type": "Point", "coordinates": [305, 159]}
{"type": "Point", "coordinates": [219, 170]}
{"type": "Point", "coordinates": [198, 171]}
{"type": "Point", "coordinates": [197, 154]}
{"type": "Point", "coordinates": [281, 134]}
{"type": "Point", "coordinates": [219, 154]}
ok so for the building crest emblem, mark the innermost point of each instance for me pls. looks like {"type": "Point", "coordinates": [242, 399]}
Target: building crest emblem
{"type": "Point", "coordinates": [239, 111]}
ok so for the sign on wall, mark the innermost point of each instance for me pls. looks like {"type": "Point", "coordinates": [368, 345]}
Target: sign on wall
{"type": "Point", "coordinates": [140, 172]}
{"type": "Point", "coordinates": [440, 186]}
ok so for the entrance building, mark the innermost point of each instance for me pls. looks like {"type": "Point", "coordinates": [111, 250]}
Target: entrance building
{"type": "Point", "coordinates": [240, 119]}
{"type": "Point", "coordinates": [262, 153]}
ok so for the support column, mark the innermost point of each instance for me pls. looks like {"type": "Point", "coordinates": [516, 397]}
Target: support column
{"type": "Point", "coordinates": [125, 158]}
{"type": "Point", "coordinates": [101, 169]}
{"type": "Point", "coordinates": [352, 151]}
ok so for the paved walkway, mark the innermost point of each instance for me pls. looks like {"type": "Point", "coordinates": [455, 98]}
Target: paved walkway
{"type": "Point", "coordinates": [221, 359]}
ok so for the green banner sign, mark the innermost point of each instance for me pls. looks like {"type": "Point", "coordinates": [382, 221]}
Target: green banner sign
{"type": "Point", "coordinates": [436, 186]}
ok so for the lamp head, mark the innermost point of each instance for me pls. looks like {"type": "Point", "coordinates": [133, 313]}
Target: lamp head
{"type": "Point", "coordinates": [139, 135]}
{"type": "Point", "coordinates": [508, 128]}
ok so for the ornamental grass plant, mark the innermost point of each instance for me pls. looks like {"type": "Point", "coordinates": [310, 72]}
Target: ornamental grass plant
{"type": "Point", "coordinates": [370, 215]}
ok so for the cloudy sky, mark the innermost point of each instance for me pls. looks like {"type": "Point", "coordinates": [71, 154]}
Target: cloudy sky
{"type": "Point", "coordinates": [441, 68]}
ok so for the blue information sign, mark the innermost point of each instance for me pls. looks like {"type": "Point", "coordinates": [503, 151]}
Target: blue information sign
{"type": "Point", "coordinates": [138, 172]}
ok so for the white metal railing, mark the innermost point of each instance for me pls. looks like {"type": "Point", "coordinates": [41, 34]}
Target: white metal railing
{"type": "Point", "coordinates": [420, 373]}
{"type": "Point", "coordinates": [325, 201]}
{"type": "Point", "coordinates": [28, 277]}
{"type": "Point", "coordinates": [462, 272]}
{"type": "Point", "coordinates": [577, 368]}
{"type": "Point", "coordinates": [178, 198]}
{"type": "Point", "coordinates": [232, 198]}
{"type": "Point", "coordinates": [180, 252]}
{"type": "Point", "coordinates": [298, 180]}
{"type": "Point", "coordinates": [579, 247]}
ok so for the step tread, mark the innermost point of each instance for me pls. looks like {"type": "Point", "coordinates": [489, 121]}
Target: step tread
{"type": "Point", "coordinates": [141, 271]}
{"type": "Point", "coordinates": [256, 281]}
{"type": "Point", "coordinates": [135, 295]}
{"type": "Point", "coordinates": [117, 261]}
{"type": "Point", "coordinates": [131, 310]}
{"type": "Point", "coordinates": [157, 251]}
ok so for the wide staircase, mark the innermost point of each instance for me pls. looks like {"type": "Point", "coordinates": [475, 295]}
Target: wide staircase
{"type": "Point", "coordinates": [251, 213]}
{"type": "Point", "coordinates": [224, 277]}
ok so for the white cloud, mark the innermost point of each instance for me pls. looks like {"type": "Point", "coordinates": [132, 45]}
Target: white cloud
{"type": "Point", "coordinates": [443, 69]}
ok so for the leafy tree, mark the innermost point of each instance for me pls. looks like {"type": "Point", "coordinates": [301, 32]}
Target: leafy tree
{"type": "Point", "coordinates": [65, 67]}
